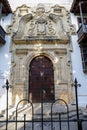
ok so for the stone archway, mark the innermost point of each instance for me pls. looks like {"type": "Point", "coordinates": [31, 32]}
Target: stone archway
{"type": "Point", "coordinates": [41, 80]}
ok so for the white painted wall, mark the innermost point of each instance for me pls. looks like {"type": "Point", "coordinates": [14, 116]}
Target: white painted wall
{"type": "Point", "coordinates": [5, 59]}
{"type": "Point", "coordinates": [77, 66]}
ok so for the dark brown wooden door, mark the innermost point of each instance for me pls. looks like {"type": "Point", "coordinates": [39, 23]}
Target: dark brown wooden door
{"type": "Point", "coordinates": [41, 80]}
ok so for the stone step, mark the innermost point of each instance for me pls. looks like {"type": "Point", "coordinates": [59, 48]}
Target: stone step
{"type": "Point", "coordinates": [46, 112]}
{"type": "Point", "coordinates": [27, 109]}
{"type": "Point", "coordinates": [37, 113]}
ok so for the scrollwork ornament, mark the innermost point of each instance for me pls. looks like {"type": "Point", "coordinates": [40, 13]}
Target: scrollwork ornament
{"type": "Point", "coordinates": [51, 29]}
{"type": "Point", "coordinates": [31, 29]}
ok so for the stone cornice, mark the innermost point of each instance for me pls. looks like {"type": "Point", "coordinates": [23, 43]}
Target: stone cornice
{"type": "Point", "coordinates": [41, 40]}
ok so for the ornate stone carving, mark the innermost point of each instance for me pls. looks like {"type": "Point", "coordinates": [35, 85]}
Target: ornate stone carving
{"type": "Point", "coordinates": [40, 10]}
{"type": "Point", "coordinates": [54, 23]}
{"type": "Point", "coordinates": [41, 26]}
{"type": "Point", "coordinates": [41, 31]}
{"type": "Point", "coordinates": [57, 9]}
{"type": "Point", "coordinates": [51, 29]}
{"type": "Point", "coordinates": [31, 29]}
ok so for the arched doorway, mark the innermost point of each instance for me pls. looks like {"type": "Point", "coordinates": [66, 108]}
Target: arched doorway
{"type": "Point", "coordinates": [41, 80]}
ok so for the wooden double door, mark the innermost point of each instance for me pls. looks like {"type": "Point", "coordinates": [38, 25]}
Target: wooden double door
{"type": "Point", "coordinates": [41, 80]}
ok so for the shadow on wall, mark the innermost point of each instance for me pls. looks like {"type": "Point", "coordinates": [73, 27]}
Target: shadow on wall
{"type": "Point", "coordinates": [3, 100]}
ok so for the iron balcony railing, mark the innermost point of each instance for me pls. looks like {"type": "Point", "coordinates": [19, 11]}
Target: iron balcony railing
{"type": "Point", "coordinates": [2, 35]}
{"type": "Point", "coordinates": [82, 34]}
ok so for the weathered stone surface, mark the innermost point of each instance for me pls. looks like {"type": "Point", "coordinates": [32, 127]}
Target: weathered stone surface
{"type": "Point", "coordinates": [41, 31]}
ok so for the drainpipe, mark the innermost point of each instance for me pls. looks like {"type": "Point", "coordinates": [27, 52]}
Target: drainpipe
{"type": "Point", "coordinates": [81, 14]}
{"type": "Point", "coordinates": [80, 7]}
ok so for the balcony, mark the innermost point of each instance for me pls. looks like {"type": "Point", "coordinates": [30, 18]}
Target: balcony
{"type": "Point", "coordinates": [2, 36]}
{"type": "Point", "coordinates": [75, 6]}
{"type": "Point", "coordinates": [84, 57]}
{"type": "Point", "coordinates": [6, 9]}
{"type": "Point", "coordinates": [82, 34]}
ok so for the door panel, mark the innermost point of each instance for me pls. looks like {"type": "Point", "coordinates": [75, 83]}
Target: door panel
{"type": "Point", "coordinates": [41, 80]}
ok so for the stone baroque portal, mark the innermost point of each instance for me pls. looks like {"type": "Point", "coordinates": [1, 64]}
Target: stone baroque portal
{"type": "Point", "coordinates": [42, 31]}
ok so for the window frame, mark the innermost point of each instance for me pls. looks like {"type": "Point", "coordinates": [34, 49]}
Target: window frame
{"type": "Point", "coordinates": [83, 49]}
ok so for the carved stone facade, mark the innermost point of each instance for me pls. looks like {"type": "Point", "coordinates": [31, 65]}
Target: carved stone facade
{"type": "Point", "coordinates": [42, 30]}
